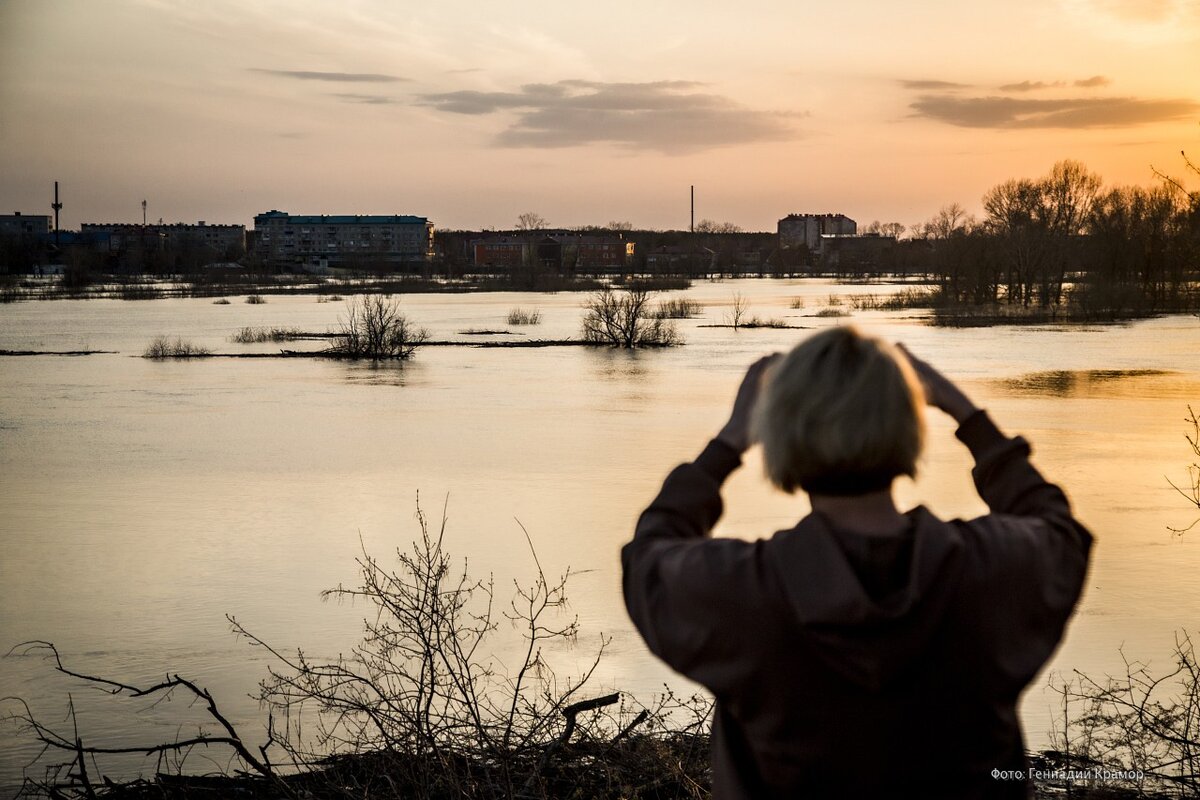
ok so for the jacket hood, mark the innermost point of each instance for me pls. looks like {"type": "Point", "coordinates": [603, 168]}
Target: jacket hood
{"type": "Point", "coordinates": [866, 637]}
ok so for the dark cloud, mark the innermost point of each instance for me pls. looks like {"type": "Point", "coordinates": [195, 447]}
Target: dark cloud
{"type": "Point", "coordinates": [669, 116]}
{"type": "Point", "coordinates": [338, 77]}
{"type": "Point", "coordinates": [925, 85]}
{"type": "Point", "coordinates": [1010, 112]}
{"type": "Point", "coordinates": [368, 99]}
{"type": "Point", "coordinates": [1092, 82]}
{"type": "Point", "coordinates": [1029, 86]}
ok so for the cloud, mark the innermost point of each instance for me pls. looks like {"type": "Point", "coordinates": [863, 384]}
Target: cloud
{"type": "Point", "coordinates": [1076, 113]}
{"type": "Point", "coordinates": [338, 77]}
{"type": "Point", "coordinates": [1148, 10]}
{"type": "Point", "coordinates": [929, 85]}
{"type": "Point", "coordinates": [1029, 86]}
{"type": "Point", "coordinates": [667, 116]}
{"type": "Point", "coordinates": [1092, 82]}
{"type": "Point", "coordinates": [367, 99]}
{"type": "Point", "coordinates": [1140, 22]}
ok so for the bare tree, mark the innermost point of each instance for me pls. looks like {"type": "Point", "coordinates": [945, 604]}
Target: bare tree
{"type": "Point", "coordinates": [1193, 197]}
{"type": "Point", "coordinates": [375, 328]}
{"type": "Point", "coordinates": [712, 226]}
{"type": "Point", "coordinates": [738, 310]}
{"type": "Point", "coordinates": [950, 219]}
{"type": "Point", "coordinates": [531, 221]}
{"type": "Point", "coordinates": [625, 319]}
{"type": "Point", "coordinates": [893, 229]}
{"type": "Point", "coordinates": [1035, 220]}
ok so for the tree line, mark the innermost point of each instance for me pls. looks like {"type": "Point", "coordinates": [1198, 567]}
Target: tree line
{"type": "Point", "coordinates": [1065, 239]}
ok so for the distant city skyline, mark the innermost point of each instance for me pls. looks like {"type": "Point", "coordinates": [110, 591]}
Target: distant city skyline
{"type": "Point", "coordinates": [470, 115]}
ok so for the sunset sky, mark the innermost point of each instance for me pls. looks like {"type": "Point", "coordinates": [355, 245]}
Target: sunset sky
{"type": "Point", "coordinates": [470, 113]}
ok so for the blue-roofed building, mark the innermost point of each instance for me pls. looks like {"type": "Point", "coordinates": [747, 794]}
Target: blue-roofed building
{"type": "Point", "coordinates": [316, 243]}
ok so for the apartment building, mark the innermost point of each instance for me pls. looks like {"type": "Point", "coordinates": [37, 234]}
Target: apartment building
{"type": "Point", "coordinates": [316, 243]}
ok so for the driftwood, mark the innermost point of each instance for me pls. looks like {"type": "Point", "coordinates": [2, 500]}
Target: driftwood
{"type": "Point", "coordinates": [55, 352]}
{"type": "Point", "coordinates": [53, 740]}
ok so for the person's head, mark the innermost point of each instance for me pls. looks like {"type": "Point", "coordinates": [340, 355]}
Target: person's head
{"type": "Point", "coordinates": [841, 414]}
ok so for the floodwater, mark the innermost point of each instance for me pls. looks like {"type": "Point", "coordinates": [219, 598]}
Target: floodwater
{"type": "Point", "coordinates": [142, 501]}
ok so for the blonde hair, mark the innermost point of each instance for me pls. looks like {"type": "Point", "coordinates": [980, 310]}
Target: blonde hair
{"type": "Point", "coordinates": [843, 413]}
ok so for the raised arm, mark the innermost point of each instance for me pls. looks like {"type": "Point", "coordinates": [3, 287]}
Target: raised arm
{"type": "Point", "coordinates": [1005, 479]}
{"type": "Point", "coordinates": [678, 582]}
{"type": "Point", "coordinates": [1031, 553]}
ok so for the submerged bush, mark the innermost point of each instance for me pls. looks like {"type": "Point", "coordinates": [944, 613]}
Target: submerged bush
{"type": "Point", "coordinates": [375, 328]}
{"type": "Point", "coordinates": [166, 347]}
{"type": "Point", "coordinates": [252, 335]}
{"type": "Point", "coordinates": [905, 298]}
{"type": "Point", "coordinates": [623, 319]}
{"type": "Point", "coordinates": [759, 322]}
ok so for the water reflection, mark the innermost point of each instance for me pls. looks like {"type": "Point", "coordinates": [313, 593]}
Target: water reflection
{"type": "Point", "coordinates": [618, 364]}
{"type": "Point", "coordinates": [1097, 383]}
{"type": "Point", "coordinates": [377, 373]}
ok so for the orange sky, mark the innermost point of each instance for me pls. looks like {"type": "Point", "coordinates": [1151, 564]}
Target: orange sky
{"type": "Point", "coordinates": [471, 113]}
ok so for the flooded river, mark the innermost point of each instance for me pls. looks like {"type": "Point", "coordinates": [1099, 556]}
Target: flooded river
{"type": "Point", "coordinates": [142, 501]}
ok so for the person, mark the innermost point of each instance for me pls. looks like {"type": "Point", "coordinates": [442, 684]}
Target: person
{"type": "Point", "coordinates": [864, 652]}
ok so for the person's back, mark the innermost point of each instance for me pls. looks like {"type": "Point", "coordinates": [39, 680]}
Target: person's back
{"type": "Point", "coordinates": [863, 652]}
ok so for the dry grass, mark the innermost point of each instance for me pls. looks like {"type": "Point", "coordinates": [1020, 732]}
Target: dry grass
{"type": "Point", "coordinates": [521, 316]}
{"type": "Point", "coordinates": [679, 308]}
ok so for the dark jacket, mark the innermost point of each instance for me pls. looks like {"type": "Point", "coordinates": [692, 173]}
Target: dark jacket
{"type": "Point", "coordinates": [846, 665]}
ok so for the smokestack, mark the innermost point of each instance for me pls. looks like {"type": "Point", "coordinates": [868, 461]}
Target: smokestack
{"type": "Point", "coordinates": [692, 225]}
{"type": "Point", "coordinates": [57, 206]}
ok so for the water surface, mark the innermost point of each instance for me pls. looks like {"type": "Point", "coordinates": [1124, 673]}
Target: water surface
{"type": "Point", "coordinates": [143, 501]}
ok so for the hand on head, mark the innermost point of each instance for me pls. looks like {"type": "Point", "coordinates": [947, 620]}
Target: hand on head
{"type": "Point", "coordinates": [940, 391]}
{"type": "Point", "coordinates": [736, 432]}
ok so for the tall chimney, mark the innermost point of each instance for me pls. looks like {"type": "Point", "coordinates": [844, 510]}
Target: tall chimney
{"type": "Point", "coordinates": [57, 206]}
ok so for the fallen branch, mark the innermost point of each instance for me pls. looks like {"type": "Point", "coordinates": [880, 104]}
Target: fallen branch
{"type": "Point", "coordinates": [50, 738]}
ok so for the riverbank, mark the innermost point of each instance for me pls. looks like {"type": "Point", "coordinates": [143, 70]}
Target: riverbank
{"type": "Point", "coordinates": [669, 764]}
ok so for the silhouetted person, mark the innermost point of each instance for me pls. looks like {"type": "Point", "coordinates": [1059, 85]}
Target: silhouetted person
{"type": "Point", "coordinates": [865, 652]}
